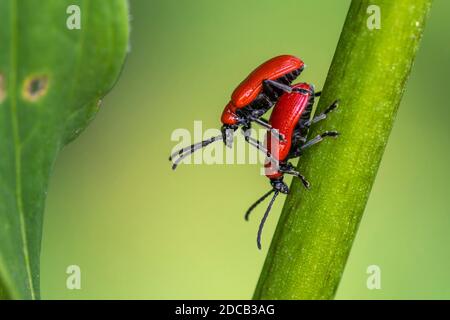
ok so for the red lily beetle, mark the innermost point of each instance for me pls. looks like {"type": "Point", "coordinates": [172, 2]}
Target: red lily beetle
{"type": "Point", "coordinates": [251, 100]}
{"type": "Point", "coordinates": [291, 117]}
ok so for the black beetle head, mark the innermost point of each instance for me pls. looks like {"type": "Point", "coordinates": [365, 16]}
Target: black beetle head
{"type": "Point", "coordinates": [279, 185]}
{"type": "Point", "coordinates": [228, 134]}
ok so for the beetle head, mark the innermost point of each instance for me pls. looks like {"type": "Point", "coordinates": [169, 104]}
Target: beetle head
{"type": "Point", "coordinates": [279, 185]}
{"type": "Point", "coordinates": [228, 134]}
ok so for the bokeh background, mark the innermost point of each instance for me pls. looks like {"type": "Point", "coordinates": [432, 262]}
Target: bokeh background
{"type": "Point", "coordinates": [139, 230]}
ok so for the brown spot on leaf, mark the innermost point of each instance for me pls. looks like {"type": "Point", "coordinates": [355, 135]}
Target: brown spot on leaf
{"type": "Point", "coordinates": [2, 88]}
{"type": "Point", "coordinates": [35, 87]}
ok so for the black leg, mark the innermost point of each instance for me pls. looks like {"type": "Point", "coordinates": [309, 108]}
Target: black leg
{"type": "Point", "coordinates": [270, 84]}
{"type": "Point", "coordinates": [258, 145]}
{"type": "Point", "coordinates": [318, 94]}
{"type": "Point", "coordinates": [323, 115]}
{"type": "Point", "coordinates": [288, 168]}
{"type": "Point", "coordinates": [300, 176]}
{"type": "Point", "coordinates": [319, 138]}
{"type": "Point", "coordinates": [298, 151]}
{"type": "Point", "coordinates": [268, 127]}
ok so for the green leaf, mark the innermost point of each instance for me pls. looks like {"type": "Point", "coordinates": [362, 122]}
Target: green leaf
{"type": "Point", "coordinates": [317, 227]}
{"type": "Point", "coordinates": [51, 82]}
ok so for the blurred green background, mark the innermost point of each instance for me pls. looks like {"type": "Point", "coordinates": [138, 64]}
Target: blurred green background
{"type": "Point", "coordinates": [139, 230]}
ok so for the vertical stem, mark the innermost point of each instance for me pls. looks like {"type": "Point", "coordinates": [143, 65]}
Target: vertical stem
{"type": "Point", "coordinates": [368, 74]}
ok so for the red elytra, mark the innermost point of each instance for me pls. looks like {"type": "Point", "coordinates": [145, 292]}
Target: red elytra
{"type": "Point", "coordinates": [252, 86]}
{"type": "Point", "coordinates": [284, 118]}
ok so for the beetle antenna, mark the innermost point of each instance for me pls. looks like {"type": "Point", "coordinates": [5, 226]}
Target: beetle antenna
{"type": "Point", "coordinates": [185, 152]}
{"type": "Point", "coordinates": [253, 206]}
{"type": "Point", "coordinates": [264, 218]}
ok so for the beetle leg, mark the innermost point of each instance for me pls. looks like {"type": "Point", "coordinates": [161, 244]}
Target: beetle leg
{"type": "Point", "coordinates": [288, 168]}
{"type": "Point", "coordinates": [319, 138]}
{"type": "Point", "coordinates": [258, 145]}
{"type": "Point", "coordinates": [323, 115]}
{"type": "Point", "coordinates": [270, 84]}
{"type": "Point", "coordinates": [300, 176]}
{"type": "Point", "coordinates": [261, 119]}
{"type": "Point", "coordinates": [298, 150]}
{"type": "Point", "coordinates": [318, 94]}
{"type": "Point", "coordinates": [266, 125]}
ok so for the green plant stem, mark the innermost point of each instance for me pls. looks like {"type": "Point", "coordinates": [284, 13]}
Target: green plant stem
{"type": "Point", "coordinates": [317, 227]}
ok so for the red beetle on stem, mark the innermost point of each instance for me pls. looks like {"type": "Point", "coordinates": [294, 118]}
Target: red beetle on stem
{"type": "Point", "coordinates": [251, 100]}
{"type": "Point", "coordinates": [292, 118]}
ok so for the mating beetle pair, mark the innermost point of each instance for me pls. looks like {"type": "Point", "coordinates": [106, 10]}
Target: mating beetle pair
{"type": "Point", "coordinates": [250, 100]}
{"type": "Point", "coordinates": [289, 123]}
